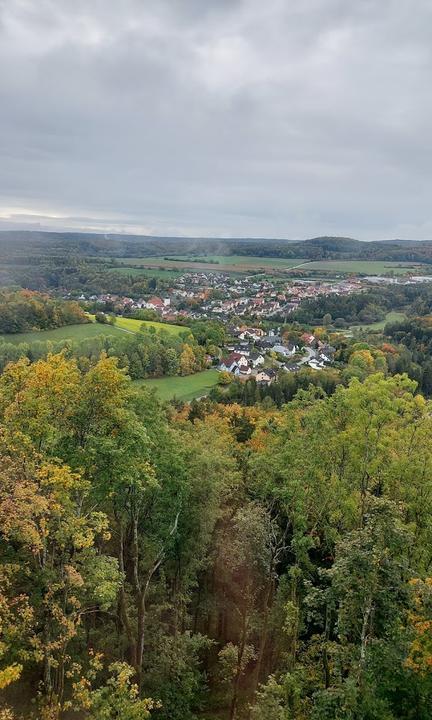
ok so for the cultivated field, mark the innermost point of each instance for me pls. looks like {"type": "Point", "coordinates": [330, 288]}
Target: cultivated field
{"type": "Point", "coordinates": [183, 388]}
{"type": "Point", "coordinates": [366, 267]}
{"type": "Point", "coordinates": [218, 263]}
{"type": "Point", "coordinates": [237, 260]}
{"type": "Point", "coordinates": [244, 264]}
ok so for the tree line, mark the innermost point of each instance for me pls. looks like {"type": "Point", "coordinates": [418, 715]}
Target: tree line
{"type": "Point", "coordinates": [149, 353]}
{"type": "Point", "coordinates": [366, 306]}
{"type": "Point", "coordinates": [24, 310]}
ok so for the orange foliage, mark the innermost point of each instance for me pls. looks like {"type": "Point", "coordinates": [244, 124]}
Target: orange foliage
{"type": "Point", "coordinates": [388, 348]}
{"type": "Point", "coordinates": [420, 623]}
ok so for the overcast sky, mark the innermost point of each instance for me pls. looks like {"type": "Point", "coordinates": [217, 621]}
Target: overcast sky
{"type": "Point", "coordinates": [265, 118]}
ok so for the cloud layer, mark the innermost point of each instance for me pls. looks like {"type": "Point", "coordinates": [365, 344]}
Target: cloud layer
{"type": "Point", "coordinates": [227, 117]}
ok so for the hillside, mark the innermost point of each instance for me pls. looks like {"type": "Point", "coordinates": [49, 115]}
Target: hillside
{"type": "Point", "coordinates": [22, 247]}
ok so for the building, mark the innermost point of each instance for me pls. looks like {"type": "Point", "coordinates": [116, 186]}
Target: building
{"type": "Point", "coordinates": [232, 362]}
{"type": "Point", "coordinates": [266, 376]}
{"type": "Point", "coordinates": [285, 350]}
{"type": "Point", "coordinates": [292, 367]}
{"type": "Point", "coordinates": [256, 359]}
{"type": "Point", "coordinates": [155, 303]}
{"type": "Point", "coordinates": [269, 341]}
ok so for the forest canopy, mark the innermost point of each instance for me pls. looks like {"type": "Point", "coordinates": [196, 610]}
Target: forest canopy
{"type": "Point", "coordinates": [25, 310]}
{"type": "Point", "coordinates": [245, 563]}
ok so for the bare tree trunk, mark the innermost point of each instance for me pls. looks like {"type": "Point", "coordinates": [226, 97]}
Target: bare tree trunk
{"type": "Point", "coordinates": [364, 636]}
{"type": "Point", "coordinates": [141, 596]}
{"type": "Point", "coordinates": [264, 635]}
{"type": "Point", "coordinates": [240, 655]}
{"type": "Point", "coordinates": [326, 664]}
{"type": "Point", "coordinates": [122, 609]}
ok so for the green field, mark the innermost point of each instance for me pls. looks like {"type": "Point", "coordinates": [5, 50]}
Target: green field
{"type": "Point", "coordinates": [183, 388]}
{"type": "Point", "coordinates": [245, 263]}
{"type": "Point", "coordinates": [365, 267]}
{"type": "Point", "coordinates": [68, 332]}
{"type": "Point", "coordinates": [241, 260]}
{"type": "Point", "coordinates": [218, 263]}
{"type": "Point", "coordinates": [87, 330]}
{"type": "Point", "coordinates": [391, 316]}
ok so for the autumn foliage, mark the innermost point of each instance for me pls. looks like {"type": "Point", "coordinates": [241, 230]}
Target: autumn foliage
{"type": "Point", "coordinates": [219, 561]}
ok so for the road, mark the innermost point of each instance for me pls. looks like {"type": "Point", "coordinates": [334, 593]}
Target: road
{"type": "Point", "coordinates": [310, 354]}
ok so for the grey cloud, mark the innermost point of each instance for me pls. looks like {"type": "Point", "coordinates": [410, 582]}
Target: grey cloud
{"type": "Point", "coordinates": [233, 118]}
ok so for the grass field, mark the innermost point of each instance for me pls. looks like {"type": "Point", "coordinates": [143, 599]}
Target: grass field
{"type": "Point", "coordinates": [133, 326]}
{"type": "Point", "coordinates": [242, 260]}
{"type": "Point", "coordinates": [183, 388]}
{"type": "Point", "coordinates": [391, 316]}
{"type": "Point", "coordinates": [87, 330]}
{"type": "Point", "coordinates": [366, 267]}
{"type": "Point", "coordinates": [68, 332]}
{"type": "Point", "coordinates": [220, 263]}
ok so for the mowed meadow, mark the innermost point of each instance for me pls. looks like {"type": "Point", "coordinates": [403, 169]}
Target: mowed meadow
{"type": "Point", "coordinates": [132, 325]}
{"type": "Point", "coordinates": [89, 330]}
{"type": "Point", "coordinates": [182, 388]}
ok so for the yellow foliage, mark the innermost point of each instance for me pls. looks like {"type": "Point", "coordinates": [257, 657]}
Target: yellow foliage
{"type": "Point", "coordinates": [187, 360]}
{"type": "Point", "coordinates": [9, 675]}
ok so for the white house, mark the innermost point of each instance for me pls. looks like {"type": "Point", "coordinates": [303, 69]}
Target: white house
{"type": "Point", "coordinates": [285, 350]}
{"type": "Point", "coordinates": [233, 362]}
{"type": "Point", "coordinates": [256, 359]}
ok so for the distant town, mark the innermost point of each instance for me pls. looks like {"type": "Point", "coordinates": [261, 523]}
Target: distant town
{"type": "Point", "coordinates": [212, 295]}
{"type": "Point", "coordinates": [220, 296]}
{"type": "Point", "coordinates": [253, 352]}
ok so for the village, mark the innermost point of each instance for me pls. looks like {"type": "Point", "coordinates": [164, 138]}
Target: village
{"type": "Point", "coordinates": [242, 304]}
{"type": "Point", "coordinates": [212, 295]}
{"type": "Point", "coordinates": [261, 355]}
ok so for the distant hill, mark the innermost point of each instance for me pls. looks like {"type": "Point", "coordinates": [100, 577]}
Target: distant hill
{"type": "Point", "coordinates": [337, 248]}
{"type": "Point", "coordinates": [25, 246]}
{"type": "Point", "coordinates": [404, 242]}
